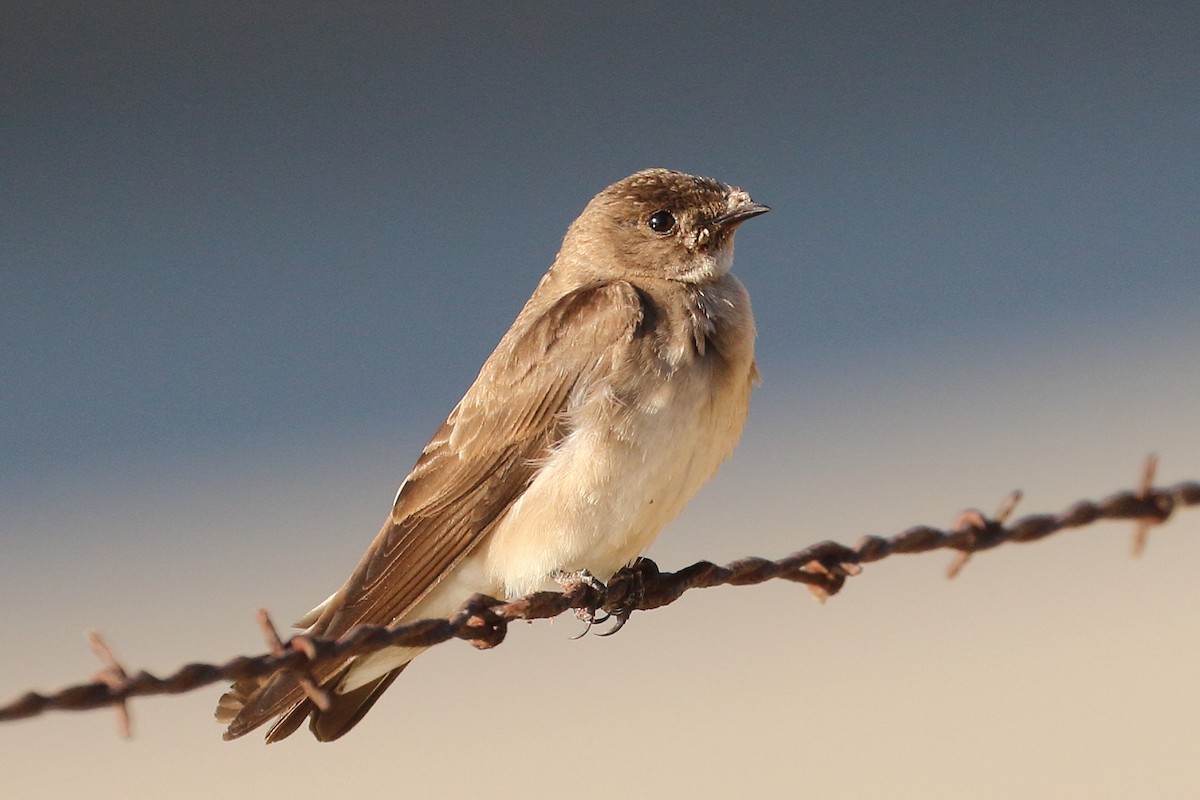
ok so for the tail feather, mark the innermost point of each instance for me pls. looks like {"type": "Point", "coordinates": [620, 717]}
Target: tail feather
{"type": "Point", "coordinates": [250, 703]}
{"type": "Point", "coordinates": [234, 700]}
{"type": "Point", "coordinates": [344, 712]}
{"type": "Point", "coordinates": [290, 721]}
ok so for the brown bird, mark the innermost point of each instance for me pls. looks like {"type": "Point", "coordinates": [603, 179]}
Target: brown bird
{"type": "Point", "coordinates": [620, 388]}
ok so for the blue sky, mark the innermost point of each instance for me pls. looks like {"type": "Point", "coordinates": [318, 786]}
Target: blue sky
{"type": "Point", "coordinates": [231, 225]}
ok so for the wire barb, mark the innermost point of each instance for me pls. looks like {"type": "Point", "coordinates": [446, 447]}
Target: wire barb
{"type": "Point", "coordinates": [981, 532]}
{"type": "Point", "coordinates": [113, 676]}
{"type": "Point", "coordinates": [483, 621]}
{"type": "Point", "coordinates": [1145, 492]}
{"type": "Point", "coordinates": [303, 644]}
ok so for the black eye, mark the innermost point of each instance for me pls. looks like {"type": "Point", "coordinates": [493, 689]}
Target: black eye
{"type": "Point", "coordinates": [661, 221]}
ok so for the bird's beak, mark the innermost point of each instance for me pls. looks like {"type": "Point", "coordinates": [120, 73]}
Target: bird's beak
{"type": "Point", "coordinates": [738, 214]}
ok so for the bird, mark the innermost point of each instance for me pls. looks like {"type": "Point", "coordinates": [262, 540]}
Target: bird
{"type": "Point", "coordinates": [620, 388]}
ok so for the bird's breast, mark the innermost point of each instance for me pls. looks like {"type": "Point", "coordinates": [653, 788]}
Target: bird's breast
{"type": "Point", "coordinates": [636, 453]}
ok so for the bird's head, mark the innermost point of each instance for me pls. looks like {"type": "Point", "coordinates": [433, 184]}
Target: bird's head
{"type": "Point", "coordinates": [662, 224]}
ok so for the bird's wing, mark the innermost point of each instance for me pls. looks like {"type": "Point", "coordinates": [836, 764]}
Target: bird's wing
{"type": "Point", "coordinates": [476, 466]}
{"type": "Point", "coordinates": [488, 450]}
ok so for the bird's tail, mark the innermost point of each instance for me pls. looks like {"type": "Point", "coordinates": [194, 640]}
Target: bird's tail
{"type": "Point", "coordinates": [250, 703]}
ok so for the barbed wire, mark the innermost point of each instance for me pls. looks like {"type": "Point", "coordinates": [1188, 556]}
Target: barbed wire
{"type": "Point", "coordinates": [483, 621]}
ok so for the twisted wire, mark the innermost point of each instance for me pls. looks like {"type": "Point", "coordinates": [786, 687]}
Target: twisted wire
{"type": "Point", "coordinates": [483, 621]}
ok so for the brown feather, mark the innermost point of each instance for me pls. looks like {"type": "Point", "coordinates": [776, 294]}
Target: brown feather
{"type": "Point", "coordinates": [470, 473]}
{"type": "Point", "coordinates": [345, 711]}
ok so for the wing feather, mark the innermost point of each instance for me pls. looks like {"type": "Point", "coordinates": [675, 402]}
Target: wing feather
{"type": "Point", "coordinates": [488, 451]}
{"type": "Point", "coordinates": [476, 466]}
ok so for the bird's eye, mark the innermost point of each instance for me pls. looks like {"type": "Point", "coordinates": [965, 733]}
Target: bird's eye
{"type": "Point", "coordinates": [661, 221]}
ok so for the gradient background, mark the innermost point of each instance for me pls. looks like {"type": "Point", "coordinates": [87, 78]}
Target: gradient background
{"type": "Point", "coordinates": [252, 256]}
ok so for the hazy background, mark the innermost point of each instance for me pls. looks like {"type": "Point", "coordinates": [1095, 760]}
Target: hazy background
{"type": "Point", "coordinates": [252, 254]}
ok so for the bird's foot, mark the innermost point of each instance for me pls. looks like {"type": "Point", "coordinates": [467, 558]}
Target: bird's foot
{"type": "Point", "coordinates": [631, 580]}
{"type": "Point", "coordinates": [586, 614]}
{"type": "Point", "coordinates": [628, 585]}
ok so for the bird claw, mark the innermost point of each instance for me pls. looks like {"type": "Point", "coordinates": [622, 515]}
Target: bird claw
{"type": "Point", "coordinates": [635, 591]}
{"type": "Point", "coordinates": [621, 616]}
{"type": "Point", "coordinates": [586, 615]}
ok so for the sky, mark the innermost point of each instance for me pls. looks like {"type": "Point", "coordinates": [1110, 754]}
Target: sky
{"type": "Point", "coordinates": [252, 254]}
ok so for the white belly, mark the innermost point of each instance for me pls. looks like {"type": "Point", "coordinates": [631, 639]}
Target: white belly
{"type": "Point", "coordinates": [598, 503]}
{"type": "Point", "coordinates": [617, 480]}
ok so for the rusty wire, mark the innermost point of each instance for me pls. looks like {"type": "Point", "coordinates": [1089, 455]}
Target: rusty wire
{"type": "Point", "coordinates": [483, 621]}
